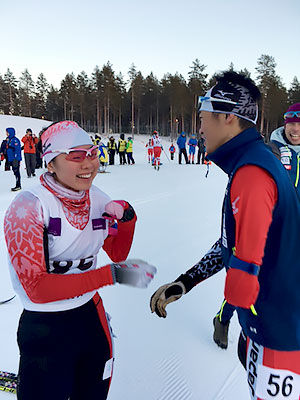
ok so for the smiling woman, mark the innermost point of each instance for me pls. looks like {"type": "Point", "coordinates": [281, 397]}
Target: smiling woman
{"type": "Point", "coordinates": [53, 233]}
{"type": "Point", "coordinates": [76, 169]}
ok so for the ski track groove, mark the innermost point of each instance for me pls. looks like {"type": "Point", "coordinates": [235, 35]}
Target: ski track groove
{"type": "Point", "coordinates": [175, 386]}
{"type": "Point", "coordinates": [151, 198]}
{"type": "Point", "coordinates": [231, 380]}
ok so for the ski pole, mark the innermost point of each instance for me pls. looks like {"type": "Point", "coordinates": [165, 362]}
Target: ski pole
{"type": "Point", "coordinates": [166, 155]}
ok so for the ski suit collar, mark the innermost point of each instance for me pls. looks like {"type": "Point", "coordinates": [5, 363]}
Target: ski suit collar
{"type": "Point", "coordinates": [227, 155]}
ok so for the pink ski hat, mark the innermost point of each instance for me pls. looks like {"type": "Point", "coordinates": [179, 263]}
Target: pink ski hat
{"type": "Point", "coordinates": [63, 135]}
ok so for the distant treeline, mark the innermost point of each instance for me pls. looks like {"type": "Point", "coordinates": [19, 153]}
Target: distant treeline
{"type": "Point", "coordinates": [105, 102]}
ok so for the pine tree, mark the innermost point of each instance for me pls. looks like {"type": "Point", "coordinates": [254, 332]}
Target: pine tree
{"type": "Point", "coordinates": [41, 94]}
{"type": "Point", "coordinates": [11, 105]}
{"type": "Point", "coordinates": [54, 105]}
{"type": "Point", "coordinates": [132, 75]}
{"type": "Point", "coordinates": [68, 92]}
{"type": "Point", "coordinates": [265, 77]}
{"type": "Point", "coordinates": [26, 93]}
{"type": "Point", "coordinates": [294, 92]}
{"type": "Point", "coordinates": [197, 85]}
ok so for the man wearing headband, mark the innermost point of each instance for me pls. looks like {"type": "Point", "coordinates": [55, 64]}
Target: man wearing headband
{"type": "Point", "coordinates": [259, 243]}
{"type": "Point", "coordinates": [54, 232]}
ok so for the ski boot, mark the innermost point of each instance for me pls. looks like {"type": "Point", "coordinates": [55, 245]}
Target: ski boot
{"type": "Point", "coordinates": [221, 333]}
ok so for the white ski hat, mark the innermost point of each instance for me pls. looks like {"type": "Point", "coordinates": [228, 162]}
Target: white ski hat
{"type": "Point", "coordinates": [63, 135]}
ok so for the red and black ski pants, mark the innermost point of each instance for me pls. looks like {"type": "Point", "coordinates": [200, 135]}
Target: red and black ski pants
{"type": "Point", "coordinates": [63, 354]}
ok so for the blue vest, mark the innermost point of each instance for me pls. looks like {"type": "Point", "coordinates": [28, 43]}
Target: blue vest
{"type": "Point", "coordinates": [277, 324]}
{"type": "Point", "coordinates": [290, 161]}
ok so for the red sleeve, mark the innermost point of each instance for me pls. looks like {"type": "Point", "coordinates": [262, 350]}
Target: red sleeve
{"type": "Point", "coordinates": [253, 196]}
{"type": "Point", "coordinates": [23, 229]}
{"type": "Point", "coordinates": [117, 247]}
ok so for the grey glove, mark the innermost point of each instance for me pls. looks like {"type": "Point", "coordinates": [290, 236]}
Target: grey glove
{"type": "Point", "coordinates": [137, 273]}
{"type": "Point", "coordinates": [164, 295]}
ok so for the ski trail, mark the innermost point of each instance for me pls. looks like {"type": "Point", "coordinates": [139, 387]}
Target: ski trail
{"type": "Point", "coordinates": [175, 386]}
{"type": "Point", "coordinates": [233, 380]}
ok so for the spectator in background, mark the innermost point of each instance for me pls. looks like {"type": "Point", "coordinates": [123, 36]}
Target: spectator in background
{"type": "Point", "coordinates": [181, 141]}
{"type": "Point", "coordinates": [97, 140]}
{"type": "Point", "coordinates": [201, 149]}
{"type": "Point", "coordinates": [172, 151]}
{"type": "Point", "coordinates": [112, 147]}
{"type": "Point", "coordinates": [14, 156]}
{"type": "Point", "coordinates": [122, 149]}
{"type": "Point", "coordinates": [30, 141]}
{"type": "Point", "coordinates": [192, 148]}
{"type": "Point", "coordinates": [129, 151]}
{"type": "Point", "coordinates": [3, 152]}
{"type": "Point", "coordinates": [39, 153]}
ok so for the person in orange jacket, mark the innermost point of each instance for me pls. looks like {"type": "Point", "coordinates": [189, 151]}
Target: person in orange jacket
{"type": "Point", "coordinates": [30, 140]}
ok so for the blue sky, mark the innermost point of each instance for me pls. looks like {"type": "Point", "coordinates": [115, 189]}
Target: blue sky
{"type": "Point", "coordinates": [59, 37]}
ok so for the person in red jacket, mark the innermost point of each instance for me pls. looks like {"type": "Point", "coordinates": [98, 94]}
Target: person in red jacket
{"type": "Point", "coordinates": [53, 233]}
{"type": "Point", "coordinates": [30, 141]}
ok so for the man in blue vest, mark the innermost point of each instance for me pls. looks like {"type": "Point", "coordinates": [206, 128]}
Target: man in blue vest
{"type": "Point", "coordinates": [259, 241]}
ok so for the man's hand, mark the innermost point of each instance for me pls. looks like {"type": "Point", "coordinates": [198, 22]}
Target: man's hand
{"type": "Point", "coordinates": [164, 295]}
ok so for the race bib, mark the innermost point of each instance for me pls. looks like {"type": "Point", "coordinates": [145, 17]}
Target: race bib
{"type": "Point", "coordinates": [277, 384]}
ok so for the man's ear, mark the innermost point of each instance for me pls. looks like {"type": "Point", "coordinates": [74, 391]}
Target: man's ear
{"type": "Point", "coordinates": [229, 118]}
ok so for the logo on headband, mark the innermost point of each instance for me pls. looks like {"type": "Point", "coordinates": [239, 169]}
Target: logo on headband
{"type": "Point", "coordinates": [223, 95]}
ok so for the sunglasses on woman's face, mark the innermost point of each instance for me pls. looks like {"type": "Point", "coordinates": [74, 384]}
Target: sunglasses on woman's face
{"type": "Point", "coordinates": [78, 155]}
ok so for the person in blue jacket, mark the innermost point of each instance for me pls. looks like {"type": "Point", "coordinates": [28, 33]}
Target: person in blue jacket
{"type": "Point", "coordinates": [192, 148]}
{"type": "Point", "coordinates": [14, 156]}
{"type": "Point", "coordinates": [181, 141]}
{"type": "Point", "coordinates": [259, 243]}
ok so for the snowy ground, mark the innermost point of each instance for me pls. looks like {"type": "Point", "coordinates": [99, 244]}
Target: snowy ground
{"type": "Point", "coordinates": [175, 358]}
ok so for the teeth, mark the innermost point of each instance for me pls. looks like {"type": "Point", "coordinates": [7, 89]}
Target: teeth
{"type": "Point", "coordinates": [85, 176]}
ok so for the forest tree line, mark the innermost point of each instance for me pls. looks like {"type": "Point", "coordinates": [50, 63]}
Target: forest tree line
{"type": "Point", "coordinates": [106, 103]}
